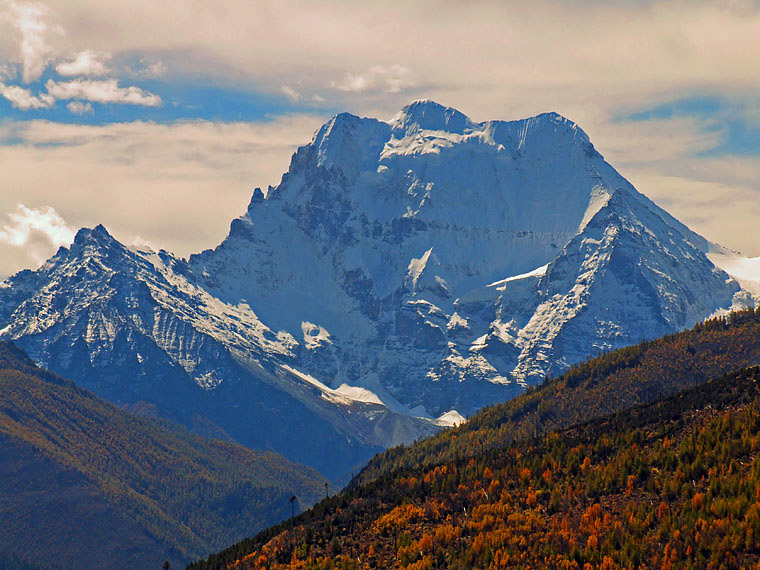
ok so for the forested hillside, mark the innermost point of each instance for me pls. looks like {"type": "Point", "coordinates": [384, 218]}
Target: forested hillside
{"type": "Point", "coordinates": [87, 485]}
{"type": "Point", "coordinates": [672, 484]}
{"type": "Point", "coordinates": [611, 464]}
{"type": "Point", "coordinates": [620, 379]}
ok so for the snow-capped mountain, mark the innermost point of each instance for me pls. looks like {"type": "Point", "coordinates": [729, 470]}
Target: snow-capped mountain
{"type": "Point", "coordinates": [402, 271]}
{"type": "Point", "coordinates": [134, 327]}
{"type": "Point", "coordinates": [447, 262]}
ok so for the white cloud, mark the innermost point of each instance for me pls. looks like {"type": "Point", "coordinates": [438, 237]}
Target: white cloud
{"type": "Point", "coordinates": [492, 59]}
{"type": "Point", "coordinates": [141, 242]}
{"type": "Point", "coordinates": [24, 99]}
{"type": "Point", "coordinates": [636, 143]}
{"type": "Point", "coordinates": [297, 97]}
{"type": "Point", "coordinates": [153, 69]}
{"type": "Point", "coordinates": [87, 62]}
{"type": "Point", "coordinates": [25, 221]}
{"type": "Point", "coordinates": [177, 186]}
{"type": "Point", "coordinates": [290, 93]}
{"type": "Point", "coordinates": [79, 108]}
{"type": "Point", "coordinates": [590, 61]}
{"type": "Point", "coordinates": [8, 71]}
{"type": "Point", "coordinates": [30, 21]}
{"type": "Point", "coordinates": [388, 79]}
{"type": "Point", "coordinates": [101, 91]}
{"type": "Point", "coordinates": [86, 90]}
{"type": "Point", "coordinates": [31, 235]}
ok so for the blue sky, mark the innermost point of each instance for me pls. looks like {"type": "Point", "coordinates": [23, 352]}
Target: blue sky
{"type": "Point", "coordinates": [732, 120]}
{"type": "Point", "coordinates": [158, 119]}
{"type": "Point", "coordinates": [180, 100]}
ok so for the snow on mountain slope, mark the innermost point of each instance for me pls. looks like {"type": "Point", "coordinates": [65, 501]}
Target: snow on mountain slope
{"type": "Point", "coordinates": [390, 191]}
{"type": "Point", "coordinates": [625, 267]}
{"type": "Point", "coordinates": [746, 270]}
{"type": "Point", "coordinates": [403, 274]}
{"type": "Point", "coordinates": [415, 243]}
{"type": "Point", "coordinates": [133, 326]}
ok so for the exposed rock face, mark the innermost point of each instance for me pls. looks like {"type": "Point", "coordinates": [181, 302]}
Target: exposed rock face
{"type": "Point", "coordinates": [452, 262]}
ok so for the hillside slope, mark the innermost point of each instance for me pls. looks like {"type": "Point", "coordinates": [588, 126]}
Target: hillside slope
{"type": "Point", "coordinates": [671, 484]}
{"type": "Point", "coordinates": [606, 384]}
{"type": "Point", "coordinates": [87, 485]}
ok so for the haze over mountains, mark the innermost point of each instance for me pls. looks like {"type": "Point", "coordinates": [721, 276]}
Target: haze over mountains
{"type": "Point", "coordinates": [402, 274]}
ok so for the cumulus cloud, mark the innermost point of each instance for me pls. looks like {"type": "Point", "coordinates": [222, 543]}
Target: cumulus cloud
{"type": "Point", "coordinates": [79, 108]}
{"type": "Point", "coordinates": [30, 21]}
{"type": "Point", "coordinates": [25, 221]}
{"type": "Point", "coordinates": [101, 91]}
{"type": "Point", "coordinates": [84, 90]}
{"type": "Point", "coordinates": [389, 79]}
{"type": "Point", "coordinates": [87, 62]}
{"type": "Point", "coordinates": [33, 234]}
{"type": "Point", "coordinates": [494, 59]}
{"type": "Point", "coordinates": [24, 99]}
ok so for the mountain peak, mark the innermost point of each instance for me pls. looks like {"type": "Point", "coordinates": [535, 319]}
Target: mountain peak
{"type": "Point", "coordinates": [559, 121]}
{"type": "Point", "coordinates": [85, 234]}
{"type": "Point", "coordinates": [94, 241]}
{"type": "Point", "coordinates": [428, 115]}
